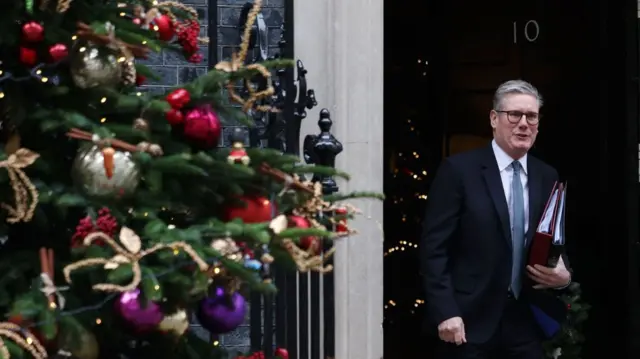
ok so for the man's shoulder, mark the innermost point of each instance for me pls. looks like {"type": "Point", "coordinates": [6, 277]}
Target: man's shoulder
{"type": "Point", "coordinates": [471, 157]}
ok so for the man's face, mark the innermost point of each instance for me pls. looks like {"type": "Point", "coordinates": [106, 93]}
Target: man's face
{"type": "Point", "coordinates": [515, 124]}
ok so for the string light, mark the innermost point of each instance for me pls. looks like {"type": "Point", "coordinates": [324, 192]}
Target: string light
{"type": "Point", "coordinates": [108, 298]}
{"type": "Point", "coordinates": [411, 306]}
{"type": "Point", "coordinates": [401, 247]}
{"type": "Point", "coordinates": [35, 73]}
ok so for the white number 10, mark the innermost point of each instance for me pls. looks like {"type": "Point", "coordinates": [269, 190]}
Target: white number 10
{"type": "Point", "coordinates": [531, 31]}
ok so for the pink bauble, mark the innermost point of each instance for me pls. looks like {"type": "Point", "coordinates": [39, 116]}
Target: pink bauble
{"type": "Point", "coordinates": [202, 127]}
{"type": "Point", "coordinates": [138, 318]}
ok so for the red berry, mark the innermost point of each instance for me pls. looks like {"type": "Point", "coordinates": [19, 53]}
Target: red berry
{"type": "Point", "coordinates": [32, 32]}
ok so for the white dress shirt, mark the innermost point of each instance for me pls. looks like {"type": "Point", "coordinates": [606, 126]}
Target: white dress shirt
{"type": "Point", "coordinates": [506, 175]}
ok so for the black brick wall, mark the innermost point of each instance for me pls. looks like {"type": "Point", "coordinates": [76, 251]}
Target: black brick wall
{"type": "Point", "coordinates": [173, 70]}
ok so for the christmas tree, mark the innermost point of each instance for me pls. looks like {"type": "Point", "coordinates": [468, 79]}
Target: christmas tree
{"type": "Point", "coordinates": [121, 218]}
{"type": "Point", "coordinates": [568, 342]}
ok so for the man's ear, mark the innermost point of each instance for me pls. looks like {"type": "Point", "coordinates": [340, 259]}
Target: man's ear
{"type": "Point", "coordinates": [493, 119]}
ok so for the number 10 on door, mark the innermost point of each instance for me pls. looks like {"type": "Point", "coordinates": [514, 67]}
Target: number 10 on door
{"type": "Point", "coordinates": [530, 31]}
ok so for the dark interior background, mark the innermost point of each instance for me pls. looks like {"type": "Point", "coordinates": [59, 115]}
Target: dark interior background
{"type": "Point", "coordinates": [443, 60]}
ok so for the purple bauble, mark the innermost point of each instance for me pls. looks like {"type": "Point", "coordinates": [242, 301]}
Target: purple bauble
{"type": "Point", "coordinates": [222, 313]}
{"type": "Point", "coordinates": [136, 317]}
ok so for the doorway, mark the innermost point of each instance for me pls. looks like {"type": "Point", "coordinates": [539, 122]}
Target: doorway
{"type": "Point", "coordinates": [582, 56]}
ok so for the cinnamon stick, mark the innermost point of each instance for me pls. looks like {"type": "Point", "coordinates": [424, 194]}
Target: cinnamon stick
{"type": "Point", "coordinates": [86, 136]}
{"type": "Point", "coordinates": [283, 177]}
{"type": "Point", "coordinates": [51, 264]}
{"type": "Point", "coordinates": [86, 32]}
{"type": "Point", "coordinates": [45, 267]}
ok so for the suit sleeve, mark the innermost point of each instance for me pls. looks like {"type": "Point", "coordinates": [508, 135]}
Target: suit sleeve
{"type": "Point", "coordinates": [440, 224]}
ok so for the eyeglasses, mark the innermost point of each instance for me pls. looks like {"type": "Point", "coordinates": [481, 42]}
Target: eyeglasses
{"type": "Point", "coordinates": [514, 117]}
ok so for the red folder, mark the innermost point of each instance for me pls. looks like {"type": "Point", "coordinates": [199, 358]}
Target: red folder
{"type": "Point", "coordinates": [550, 230]}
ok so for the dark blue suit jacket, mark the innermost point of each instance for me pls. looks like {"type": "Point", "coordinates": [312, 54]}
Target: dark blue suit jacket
{"type": "Point", "coordinates": [466, 242]}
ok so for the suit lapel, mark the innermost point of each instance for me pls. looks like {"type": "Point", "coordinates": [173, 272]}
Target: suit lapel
{"type": "Point", "coordinates": [535, 191]}
{"type": "Point", "coordinates": [491, 175]}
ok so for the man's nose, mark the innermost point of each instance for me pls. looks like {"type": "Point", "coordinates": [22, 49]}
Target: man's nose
{"type": "Point", "coordinates": [523, 124]}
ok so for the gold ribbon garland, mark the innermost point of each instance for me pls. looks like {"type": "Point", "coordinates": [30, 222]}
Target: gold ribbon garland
{"type": "Point", "coordinates": [61, 7]}
{"type": "Point", "coordinates": [24, 192]}
{"type": "Point", "coordinates": [26, 341]}
{"type": "Point", "coordinates": [127, 253]}
{"type": "Point", "coordinates": [237, 63]}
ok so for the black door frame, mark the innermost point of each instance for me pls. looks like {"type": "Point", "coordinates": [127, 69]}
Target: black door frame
{"type": "Point", "coordinates": [631, 158]}
{"type": "Point", "coordinates": [620, 95]}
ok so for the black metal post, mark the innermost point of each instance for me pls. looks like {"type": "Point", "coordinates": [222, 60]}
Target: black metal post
{"type": "Point", "coordinates": [212, 33]}
{"type": "Point", "coordinates": [322, 150]}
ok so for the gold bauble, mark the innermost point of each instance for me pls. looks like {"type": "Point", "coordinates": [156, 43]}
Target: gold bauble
{"type": "Point", "coordinates": [95, 66]}
{"type": "Point", "coordinates": [176, 323]}
{"type": "Point", "coordinates": [81, 344]}
{"type": "Point", "coordinates": [89, 174]}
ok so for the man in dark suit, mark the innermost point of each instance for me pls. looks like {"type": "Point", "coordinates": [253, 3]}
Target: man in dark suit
{"type": "Point", "coordinates": [482, 211]}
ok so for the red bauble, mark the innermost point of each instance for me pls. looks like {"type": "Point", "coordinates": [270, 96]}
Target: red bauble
{"type": "Point", "coordinates": [178, 98]}
{"type": "Point", "coordinates": [202, 127]}
{"type": "Point", "coordinates": [308, 243]}
{"type": "Point", "coordinates": [281, 353]}
{"type": "Point", "coordinates": [140, 80]}
{"type": "Point", "coordinates": [341, 225]}
{"type": "Point", "coordinates": [32, 32]}
{"type": "Point", "coordinates": [256, 210]}
{"type": "Point", "coordinates": [58, 52]}
{"type": "Point", "coordinates": [164, 27]}
{"type": "Point", "coordinates": [174, 117]}
{"type": "Point", "coordinates": [28, 56]}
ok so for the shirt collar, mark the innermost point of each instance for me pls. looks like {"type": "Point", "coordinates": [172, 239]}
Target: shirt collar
{"type": "Point", "coordinates": [504, 160]}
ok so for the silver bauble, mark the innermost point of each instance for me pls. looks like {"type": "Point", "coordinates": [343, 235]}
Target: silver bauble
{"type": "Point", "coordinates": [93, 66]}
{"type": "Point", "coordinates": [89, 174]}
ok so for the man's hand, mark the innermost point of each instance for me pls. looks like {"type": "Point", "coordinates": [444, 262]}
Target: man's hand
{"type": "Point", "coordinates": [549, 277]}
{"type": "Point", "coordinates": [452, 331]}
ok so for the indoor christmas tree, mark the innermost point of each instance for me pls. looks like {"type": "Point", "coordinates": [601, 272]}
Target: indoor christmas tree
{"type": "Point", "coordinates": [120, 215]}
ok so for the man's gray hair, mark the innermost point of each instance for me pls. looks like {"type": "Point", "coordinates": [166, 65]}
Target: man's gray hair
{"type": "Point", "coordinates": [515, 87]}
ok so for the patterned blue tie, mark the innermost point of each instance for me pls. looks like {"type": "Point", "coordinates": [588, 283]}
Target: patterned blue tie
{"type": "Point", "coordinates": [517, 224]}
